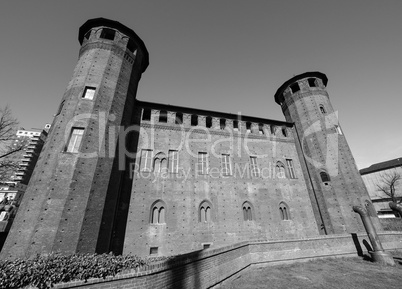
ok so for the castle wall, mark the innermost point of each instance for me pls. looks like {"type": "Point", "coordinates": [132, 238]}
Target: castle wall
{"type": "Point", "coordinates": [182, 193]}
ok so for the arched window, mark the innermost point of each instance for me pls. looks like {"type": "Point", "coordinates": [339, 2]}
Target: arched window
{"type": "Point", "coordinates": [284, 211]}
{"type": "Point", "coordinates": [204, 215]}
{"type": "Point", "coordinates": [324, 177]}
{"type": "Point", "coordinates": [247, 211]}
{"type": "Point", "coordinates": [280, 170]}
{"type": "Point", "coordinates": [158, 212]}
{"type": "Point", "coordinates": [160, 163]}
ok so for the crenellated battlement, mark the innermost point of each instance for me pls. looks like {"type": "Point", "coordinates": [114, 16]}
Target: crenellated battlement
{"type": "Point", "coordinates": [187, 118]}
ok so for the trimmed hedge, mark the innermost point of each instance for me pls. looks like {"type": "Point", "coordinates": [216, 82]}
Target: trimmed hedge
{"type": "Point", "coordinates": [45, 271]}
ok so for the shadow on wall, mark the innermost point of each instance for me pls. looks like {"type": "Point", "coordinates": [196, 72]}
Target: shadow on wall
{"type": "Point", "coordinates": [188, 276]}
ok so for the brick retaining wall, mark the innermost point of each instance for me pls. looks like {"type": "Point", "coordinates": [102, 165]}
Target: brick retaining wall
{"type": "Point", "coordinates": [207, 268]}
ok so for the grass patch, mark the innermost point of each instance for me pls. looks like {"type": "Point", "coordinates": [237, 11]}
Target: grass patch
{"type": "Point", "coordinates": [339, 273]}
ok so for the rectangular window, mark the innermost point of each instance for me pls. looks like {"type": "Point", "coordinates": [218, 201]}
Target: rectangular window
{"type": "Point", "coordinates": [75, 140]}
{"type": "Point", "coordinates": [248, 126]}
{"type": "Point", "coordinates": [146, 160]}
{"type": "Point", "coordinates": [261, 128]}
{"type": "Point", "coordinates": [222, 123]}
{"type": "Point", "coordinates": [153, 251]}
{"type": "Point", "coordinates": [89, 92]}
{"type": "Point", "coordinates": [226, 165]}
{"type": "Point", "coordinates": [291, 169]}
{"type": "Point", "coordinates": [236, 125]}
{"type": "Point", "coordinates": [173, 162]}
{"type": "Point", "coordinates": [202, 163]}
{"type": "Point", "coordinates": [163, 116]}
{"type": "Point", "coordinates": [273, 129]}
{"type": "Point", "coordinates": [179, 118]}
{"type": "Point", "coordinates": [146, 114]}
{"type": "Point", "coordinates": [255, 172]}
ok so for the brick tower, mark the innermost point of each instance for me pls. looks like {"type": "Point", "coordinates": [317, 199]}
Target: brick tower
{"type": "Point", "coordinates": [74, 199]}
{"type": "Point", "coordinates": [331, 175]}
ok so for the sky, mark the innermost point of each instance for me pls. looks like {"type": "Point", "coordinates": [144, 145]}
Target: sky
{"type": "Point", "coordinates": [228, 56]}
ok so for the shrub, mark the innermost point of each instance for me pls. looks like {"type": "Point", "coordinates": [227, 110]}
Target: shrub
{"type": "Point", "coordinates": [44, 271]}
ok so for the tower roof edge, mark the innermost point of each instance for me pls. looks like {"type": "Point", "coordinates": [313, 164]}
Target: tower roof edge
{"type": "Point", "coordinates": [317, 74]}
{"type": "Point", "coordinates": [116, 25]}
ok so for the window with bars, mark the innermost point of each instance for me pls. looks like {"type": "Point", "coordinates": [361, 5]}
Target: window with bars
{"type": "Point", "coordinates": [202, 163]}
{"type": "Point", "coordinates": [146, 160]}
{"type": "Point", "coordinates": [173, 161]}
{"type": "Point", "coordinates": [226, 165]}
{"type": "Point", "coordinates": [255, 172]}
{"type": "Point", "coordinates": [291, 169]}
{"type": "Point", "coordinates": [75, 140]}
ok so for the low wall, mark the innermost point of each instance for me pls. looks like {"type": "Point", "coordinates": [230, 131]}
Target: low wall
{"type": "Point", "coordinates": [206, 268]}
{"type": "Point", "coordinates": [391, 224]}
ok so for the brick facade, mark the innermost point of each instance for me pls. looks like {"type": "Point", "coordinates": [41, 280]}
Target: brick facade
{"type": "Point", "coordinates": [133, 177]}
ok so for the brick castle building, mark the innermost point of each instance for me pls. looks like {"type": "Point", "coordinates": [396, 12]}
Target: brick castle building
{"type": "Point", "coordinates": [133, 177]}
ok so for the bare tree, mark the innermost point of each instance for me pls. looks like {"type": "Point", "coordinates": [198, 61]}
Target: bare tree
{"type": "Point", "coordinates": [8, 145]}
{"type": "Point", "coordinates": [388, 184]}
